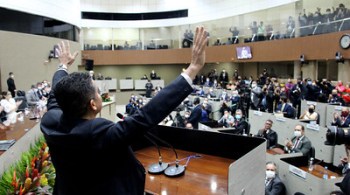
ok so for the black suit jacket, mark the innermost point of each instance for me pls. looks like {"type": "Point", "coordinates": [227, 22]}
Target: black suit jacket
{"type": "Point", "coordinates": [288, 110]}
{"type": "Point", "coordinates": [94, 156]}
{"type": "Point", "coordinates": [11, 85]}
{"type": "Point", "coordinates": [196, 115]}
{"type": "Point", "coordinates": [275, 187]}
{"type": "Point", "coordinates": [240, 126]}
{"type": "Point", "coordinates": [271, 138]}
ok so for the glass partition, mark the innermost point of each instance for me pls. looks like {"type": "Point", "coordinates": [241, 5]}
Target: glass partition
{"type": "Point", "coordinates": [283, 22]}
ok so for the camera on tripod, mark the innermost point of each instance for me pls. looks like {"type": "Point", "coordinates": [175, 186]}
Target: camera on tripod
{"type": "Point", "coordinates": [337, 136]}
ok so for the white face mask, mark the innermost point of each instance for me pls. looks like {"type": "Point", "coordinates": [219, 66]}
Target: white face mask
{"type": "Point", "coordinates": [186, 115]}
{"type": "Point", "coordinates": [270, 174]}
{"type": "Point", "coordinates": [253, 85]}
{"type": "Point", "coordinates": [297, 133]}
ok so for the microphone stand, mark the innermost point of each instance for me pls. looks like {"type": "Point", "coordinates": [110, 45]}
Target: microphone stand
{"type": "Point", "coordinates": [175, 170]}
{"type": "Point", "coordinates": [157, 168]}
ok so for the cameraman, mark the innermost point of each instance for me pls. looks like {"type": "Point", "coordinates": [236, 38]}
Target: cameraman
{"type": "Point", "coordinates": [344, 185]}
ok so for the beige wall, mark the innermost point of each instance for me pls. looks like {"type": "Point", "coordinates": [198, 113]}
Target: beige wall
{"type": "Point", "coordinates": [25, 56]}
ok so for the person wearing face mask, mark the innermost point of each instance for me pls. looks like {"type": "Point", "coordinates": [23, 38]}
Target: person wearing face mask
{"type": "Point", "coordinates": [223, 78]}
{"type": "Point", "coordinates": [207, 106]}
{"type": "Point", "coordinates": [255, 96]}
{"type": "Point", "coordinates": [299, 142]}
{"type": "Point", "coordinates": [235, 98]}
{"type": "Point", "coordinates": [285, 108]}
{"type": "Point", "coordinates": [309, 114]}
{"type": "Point", "coordinates": [268, 134]}
{"type": "Point", "coordinates": [342, 120]}
{"type": "Point", "coordinates": [240, 125]}
{"type": "Point", "coordinates": [334, 98]}
{"type": "Point", "coordinates": [196, 113]}
{"type": "Point", "coordinates": [226, 120]}
{"type": "Point", "coordinates": [11, 84]}
{"type": "Point", "coordinates": [273, 184]}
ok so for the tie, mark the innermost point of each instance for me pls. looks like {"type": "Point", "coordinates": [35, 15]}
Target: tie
{"type": "Point", "coordinates": [282, 109]}
{"type": "Point", "coordinates": [296, 143]}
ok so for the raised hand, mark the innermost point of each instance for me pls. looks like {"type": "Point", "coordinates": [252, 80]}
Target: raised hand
{"type": "Point", "coordinates": [64, 54]}
{"type": "Point", "coordinates": [198, 52]}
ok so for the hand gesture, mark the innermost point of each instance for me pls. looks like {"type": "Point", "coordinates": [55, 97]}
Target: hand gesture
{"type": "Point", "coordinates": [64, 54]}
{"type": "Point", "coordinates": [198, 52]}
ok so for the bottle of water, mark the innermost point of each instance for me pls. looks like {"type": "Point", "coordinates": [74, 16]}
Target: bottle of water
{"type": "Point", "coordinates": [325, 173]}
{"type": "Point", "coordinates": [311, 164]}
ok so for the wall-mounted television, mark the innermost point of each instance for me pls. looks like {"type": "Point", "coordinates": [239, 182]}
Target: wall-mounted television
{"type": "Point", "coordinates": [243, 52]}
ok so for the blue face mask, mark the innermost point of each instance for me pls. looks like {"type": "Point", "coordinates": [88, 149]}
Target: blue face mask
{"type": "Point", "coordinates": [238, 117]}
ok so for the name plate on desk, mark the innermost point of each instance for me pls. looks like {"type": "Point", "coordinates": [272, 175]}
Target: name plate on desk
{"type": "Point", "coordinates": [338, 108]}
{"type": "Point", "coordinates": [257, 113]}
{"type": "Point", "coordinates": [313, 127]}
{"type": "Point", "coordinates": [297, 171]}
{"type": "Point", "coordinates": [280, 119]}
{"type": "Point", "coordinates": [311, 103]}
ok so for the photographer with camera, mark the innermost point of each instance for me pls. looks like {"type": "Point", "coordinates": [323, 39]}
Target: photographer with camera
{"type": "Point", "coordinates": [344, 185]}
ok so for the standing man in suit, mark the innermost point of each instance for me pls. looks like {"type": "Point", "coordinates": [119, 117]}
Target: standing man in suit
{"type": "Point", "coordinates": [149, 88]}
{"type": "Point", "coordinates": [273, 183]}
{"type": "Point", "coordinates": [269, 134]}
{"type": "Point", "coordinates": [11, 84]}
{"type": "Point", "coordinates": [81, 144]}
{"type": "Point", "coordinates": [255, 96]}
{"type": "Point", "coordinates": [223, 78]}
{"type": "Point", "coordinates": [153, 75]}
{"type": "Point", "coordinates": [299, 143]}
{"type": "Point", "coordinates": [196, 113]}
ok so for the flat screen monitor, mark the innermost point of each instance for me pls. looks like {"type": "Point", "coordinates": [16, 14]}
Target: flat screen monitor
{"type": "Point", "coordinates": [243, 52]}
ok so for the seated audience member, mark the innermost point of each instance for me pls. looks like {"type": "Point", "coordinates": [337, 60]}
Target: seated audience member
{"type": "Point", "coordinates": [200, 92]}
{"type": "Point", "coordinates": [211, 93]}
{"type": "Point", "coordinates": [299, 142]}
{"type": "Point", "coordinates": [342, 120]}
{"type": "Point", "coordinates": [269, 134]}
{"type": "Point", "coordinates": [207, 106]}
{"type": "Point", "coordinates": [334, 98]}
{"type": "Point", "coordinates": [100, 76]}
{"type": "Point", "coordinates": [153, 75]}
{"type": "Point", "coordinates": [10, 107]}
{"type": "Point", "coordinates": [344, 162]}
{"type": "Point", "coordinates": [273, 184]}
{"type": "Point", "coordinates": [224, 107]}
{"type": "Point", "coordinates": [207, 83]}
{"type": "Point", "coordinates": [285, 108]}
{"type": "Point", "coordinates": [224, 96]}
{"type": "Point", "coordinates": [188, 126]}
{"type": "Point", "coordinates": [144, 77]}
{"type": "Point", "coordinates": [226, 120]}
{"type": "Point", "coordinates": [239, 123]}
{"type": "Point", "coordinates": [310, 114]}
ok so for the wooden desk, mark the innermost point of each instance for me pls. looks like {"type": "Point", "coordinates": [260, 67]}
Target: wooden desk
{"type": "Point", "coordinates": [205, 175]}
{"type": "Point", "coordinates": [17, 130]}
{"type": "Point", "coordinates": [319, 170]}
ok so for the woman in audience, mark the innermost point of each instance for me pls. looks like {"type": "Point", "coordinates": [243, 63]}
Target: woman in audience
{"type": "Point", "coordinates": [309, 114]}
{"type": "Point", "coordinates": [10, 107]}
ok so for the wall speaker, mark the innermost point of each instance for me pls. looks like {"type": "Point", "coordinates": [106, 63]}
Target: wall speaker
{"type": "Point", "coordinates": [89, 65]}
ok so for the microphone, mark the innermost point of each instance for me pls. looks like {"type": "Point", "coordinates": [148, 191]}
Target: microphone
{"type": "Point", "coordinates": [120, 115]}
{"type": "Point", "coordinates": [157, 168]}
{"type": "Point", "coordinates": [175, 170]}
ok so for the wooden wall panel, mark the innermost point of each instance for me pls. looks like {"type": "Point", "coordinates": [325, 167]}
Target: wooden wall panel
{"type": "Point", "coordinates": [317, 47]}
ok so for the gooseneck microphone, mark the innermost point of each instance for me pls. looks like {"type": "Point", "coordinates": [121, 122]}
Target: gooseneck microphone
{"type": "Point", "coordinates": [157, 168]}
{"type": "Point", "coordinates": [175, 170]}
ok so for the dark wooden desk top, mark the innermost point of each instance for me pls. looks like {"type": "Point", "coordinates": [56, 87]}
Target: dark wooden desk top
{"type": "Point", "coordinates": [319, 171]}
{"type": "Point", "coordinates": [205, 175]}
{"type": "Point", "coordinates": [17, 130]}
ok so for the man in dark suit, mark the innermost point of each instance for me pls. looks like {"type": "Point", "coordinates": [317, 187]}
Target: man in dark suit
{"type": "Point", "coordinates": [239, 123]}
{"type": "Point", "coordinates": [269, 134]}
{"type": "Point", "coordinates": [153, 75]}
{"type": "Point", "coordinates": [224, 78]}
{"type": "Point", "coordinates": [273, 184]}
{"type": "Point", "coordinates": [285, 108]}
{"type": "Point", "coordinates": [342, 120]}
{"type": "Point", "coordinates": [299, 143]}
{"type": "Point", "coordinates": [149, 88]}
{"type": "Point", "coordinates": [196, 113]}
{"type": "Point", "coordinates": [11, 84]}
{"type": "Point", "coordinates": [98, 150]}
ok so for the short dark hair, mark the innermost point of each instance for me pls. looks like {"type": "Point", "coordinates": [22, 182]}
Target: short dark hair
{"type": "Point", "coordinates": [73, 94]}
{"type": "Point", "coordinates": [11, 73]}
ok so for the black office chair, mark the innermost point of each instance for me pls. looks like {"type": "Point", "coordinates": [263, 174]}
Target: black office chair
{"type": "Point", "coordinates": [312, 152]}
